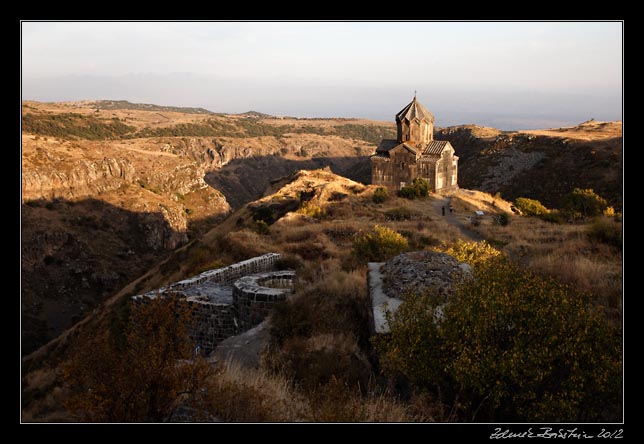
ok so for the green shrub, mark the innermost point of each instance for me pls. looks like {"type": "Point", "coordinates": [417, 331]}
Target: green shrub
{"type": "Point", "coordinates": [380, 195]}
{"type": "Point", "coordinates": [583, 203]}
{"type": "Point", "coordinates": [530, 207]}
{"type": "Point", "coordinates": [473, 253]}
{"type": "Point", "coordinates": [418, 188]}
{"type": "Point", "coordinates": [509, 346]}
{"type": "Point", "coordinates": [552, 216]}
{"type": "Point", "coordinates": [262, 227]}
{"type": "Point", "coordinates": [606, 231]}
{"type": "Point", "coordinates": [380, 244]}
{"type": "Point", "coordinates": [407, 193]}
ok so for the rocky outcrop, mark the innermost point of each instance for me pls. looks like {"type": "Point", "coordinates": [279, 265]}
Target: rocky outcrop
{"type": "Point", "coordinates": [418, 272]}
{"type": "Point", "coordinates": [423, 272]}
{"type": "Point", "coordinates": [83, 178]}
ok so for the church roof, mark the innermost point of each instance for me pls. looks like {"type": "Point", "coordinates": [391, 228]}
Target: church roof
{"type": "Point", "coordinates": [435, 147]}
{"type": "Point", "coordinates": [414, 110]}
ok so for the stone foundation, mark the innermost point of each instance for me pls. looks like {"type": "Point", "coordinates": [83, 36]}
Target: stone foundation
{"type": "Point", "coordinates": [229, 300]}
{"type": "Point", "coordinates": [420, 272]}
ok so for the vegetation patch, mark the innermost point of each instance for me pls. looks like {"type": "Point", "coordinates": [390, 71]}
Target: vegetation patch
{"type": "Point", "coordinates": [380, 195]}
{"type": "Point", "coordinates": [70, 125]}
{"type": "Point", "coordinates": [418, 188]}
{"type": "Point", "coordinates": [510, 346]}
{"type": "Point", "coordinates": [606, 231]}
{"type": "Point", "coordinates": [378, 245]}
{"type": "Point", "coordinates": [402, 213]}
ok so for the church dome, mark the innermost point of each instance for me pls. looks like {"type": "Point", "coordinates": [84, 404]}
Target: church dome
{"type": "Point", "coordinates": [415, 110]}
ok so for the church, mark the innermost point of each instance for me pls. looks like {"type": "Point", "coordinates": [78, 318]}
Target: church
{"type": "Point", "coordinates": [415, 153]}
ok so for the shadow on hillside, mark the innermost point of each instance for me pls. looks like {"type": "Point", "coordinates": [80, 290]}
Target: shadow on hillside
{"type": "Point", "coordinates": [244, 180]}
{"type": "Point", "coordinates": [75, 254]}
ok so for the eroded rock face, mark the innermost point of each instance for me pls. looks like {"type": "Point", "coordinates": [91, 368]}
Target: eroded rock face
{"type": "Point", "coordinates": [85, 178]}
{"type": "Point", "coordinates": [423, 272]}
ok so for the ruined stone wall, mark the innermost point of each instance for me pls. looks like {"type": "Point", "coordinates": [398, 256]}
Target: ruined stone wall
{"type": "Point", "coordinates": [213, 323]}
{"type": "Point", "coordinates": [254, 296]}
{"type": "Point", "coordinates": [242, 299]}
{"type": "Point", "coordinates": [228, 275]}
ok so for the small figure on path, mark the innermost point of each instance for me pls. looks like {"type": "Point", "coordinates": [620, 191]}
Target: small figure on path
{"type": "Point", "coordinates": [443, 211]}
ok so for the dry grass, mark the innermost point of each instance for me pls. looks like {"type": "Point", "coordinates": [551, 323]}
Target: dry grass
{"type": "Point", "coordinates": [590, 130]}
{"type": "Point", "coordinates": [238, 394]}
{"type": "Point", "coordinates": [471, 200]}
{"type": "Point", "coordinates": [565, 253]}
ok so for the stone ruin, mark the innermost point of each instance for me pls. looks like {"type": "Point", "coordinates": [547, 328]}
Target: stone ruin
{"type": "Point", "coordinates": [227, 301]}
{"type": "Point", "coordinates": [414, 272]}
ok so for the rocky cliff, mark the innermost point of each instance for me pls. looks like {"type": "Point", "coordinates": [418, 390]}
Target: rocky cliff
{"type": "Point", "coordinates": [544, 165]}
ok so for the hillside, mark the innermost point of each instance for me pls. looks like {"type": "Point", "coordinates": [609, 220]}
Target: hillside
{"type": "Point", "coordinates": [120, 185]}
{"type": "Point", "coordinates": [541, 164]}
{"type": "Point", "coordinates": [312, 218]}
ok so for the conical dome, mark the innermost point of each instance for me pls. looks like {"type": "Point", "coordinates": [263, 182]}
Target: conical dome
{"type": "Point", "coordinates": [414, 123]}
{"type": "Point", "coordinates": [415, 110]}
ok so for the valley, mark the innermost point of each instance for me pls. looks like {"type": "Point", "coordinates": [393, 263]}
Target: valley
{"type": "Point", "coordinates": [126, 199]}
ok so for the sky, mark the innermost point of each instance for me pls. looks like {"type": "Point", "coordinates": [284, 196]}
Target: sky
{"type": "Point", "coordinates": [511, 75]}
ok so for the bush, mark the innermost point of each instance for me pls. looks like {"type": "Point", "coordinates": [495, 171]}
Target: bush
{"type": "Point", "coordinates": [130, 372]}
{"type": "Point", "coordinates": [380, 195]}
{"type": "Point", "coordinates": [609, 212]}
{"type": "Point", "coordinates": [418, 188]}
{"type": "Point", "coordinates": [510, 346]}
{"type": "Point", "coordinates": [380, 244]}
{"type": "Point", "coordinates": [530, 207]}
{"type": "Point", "coordinates": [606, 231]}
{"type": "Point", "coordinates": [583, 203]}
{"type": "Point", "coordinates": [407, 193]}
{"type": "Point", "coordinates": [262, 227]}
{"type": "Point", "coordinates": [553, 216]}
{"type": "Point", "coordinates": [502, 219]}
{"type": "Point", "coordinates": [473, 253]}
{"type": "Point", "coordinates": [311, 209]}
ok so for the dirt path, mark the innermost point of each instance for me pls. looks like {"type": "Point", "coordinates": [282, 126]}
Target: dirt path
{"type": "Point", "coordinates": [453, 219]}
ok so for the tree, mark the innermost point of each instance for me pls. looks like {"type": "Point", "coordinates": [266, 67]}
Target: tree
{"type": "Point", "coordinates": [139, 370]}
{"type": "Point", "coordinates": [510, 346]}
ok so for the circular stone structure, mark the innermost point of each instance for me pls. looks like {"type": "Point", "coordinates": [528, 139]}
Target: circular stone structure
{"type": "Point", "coordinates": [255, 295]}
{"type": "Point", "coordinates": [423, 272]}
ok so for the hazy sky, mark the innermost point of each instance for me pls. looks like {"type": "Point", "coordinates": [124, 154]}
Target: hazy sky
{"type": "Point", "coordinates": [509, 75]}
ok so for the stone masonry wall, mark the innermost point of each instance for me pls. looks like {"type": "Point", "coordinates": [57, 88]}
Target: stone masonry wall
{"type": "Point", "coordinates": [253, 299]}
{"type": "Point", "coordinates": [220, 314]}
{"type": "Point", "coordinates": [228, 275]}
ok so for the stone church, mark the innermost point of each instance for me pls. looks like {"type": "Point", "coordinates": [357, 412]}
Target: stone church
{"type": "Point", "coordinates": [415, 153]}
